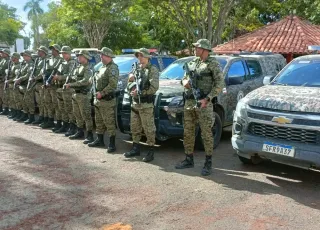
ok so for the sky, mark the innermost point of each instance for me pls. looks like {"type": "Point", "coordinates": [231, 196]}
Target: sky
{"type": "Point", "coordinates": [18, 4]}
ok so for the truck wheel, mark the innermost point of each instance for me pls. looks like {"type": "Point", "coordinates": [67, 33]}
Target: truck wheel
{"type": "Point", "coordinates": [245, 161]}
{"type": "Point", "coordinates": [216, 131]}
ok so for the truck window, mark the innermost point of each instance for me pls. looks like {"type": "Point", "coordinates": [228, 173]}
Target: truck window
{"type": "Point", "coordinates": [254, 68]}
{"type": "Point", "coordinates": [236, 70]}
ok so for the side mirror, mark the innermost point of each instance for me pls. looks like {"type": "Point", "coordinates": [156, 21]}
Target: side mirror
{"type": "Point", "coordinates": [267, 80]}
{"type": "Point", "coordinates": [235, 80]}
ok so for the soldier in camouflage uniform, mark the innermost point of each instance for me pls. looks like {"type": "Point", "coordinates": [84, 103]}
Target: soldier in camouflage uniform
{"type": "Point", "coordinates": [50, 97]}
{"type": "Point", "coordinates": [81, 99]}
{"type": "Point", "coordinates": [142, 117]}
{"type": "Point", "coordinates": [64, 96]}
{"type": "Point", "coordinates": [37, 90]}
{"type": "Point", "coordinates": [208, 82]}
{"type": "Point", "coordinates": [5, 54]}
{"type": "Point", "coordinates": [21, 85]}
{"type": "Point", "coordinates": [104, 100]}
{"type": "Point", "coordinates": [15, 68]}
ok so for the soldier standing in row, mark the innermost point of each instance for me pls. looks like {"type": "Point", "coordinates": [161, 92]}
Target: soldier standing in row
{"type": "Point", "coordinates": [142, 117]}
{"type": "Point", "coordinates": [37, 90]}
{"type": "Point", "coordinates": [64, 96]}
{"type": "Point", "coordinates": [15, 67]}
{"type": "Point", "coordinates": [50, 97]}
{"type": "Point", "coordinates": [4, 64]}
{"type": "Point", "coordinates": [81, 99]}
{"type": "Point", "coordinates": [104, 100]}
{"type": "Point", "coordinates": [21, 85]}
{"type": "Point", "coordinates": [208, 80]}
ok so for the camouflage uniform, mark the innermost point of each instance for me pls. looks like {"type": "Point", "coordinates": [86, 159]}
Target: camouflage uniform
{"type": "Point", "coordinates": [3, 66]}
{"type": "Point", "coordinates": [50, 97]}
{"type": "Point", "coordinates": [38, 88]}
{"type": "Point", "coordinates": [142, 116]}
{"type": "Point", "coordinates": [64, 96]}
{"type": "Point", "coordinates": [208, 81]}
{"type": "Point", "coordinates": [106, 80]}
{"type": "Point", "coordinates": [81, 99]}
{"type": "Point", "coordinates": [26, 70]}
{"type": "Point", "coordinates": [15, 67]}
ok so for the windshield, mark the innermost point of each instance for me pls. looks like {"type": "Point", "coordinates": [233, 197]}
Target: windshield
{"type": "Point", "coordinates": [300, 73]}
{"type": "Point", "coordinates": [175, 71]}
{"type": "Point", "coordinates": [125, 63]}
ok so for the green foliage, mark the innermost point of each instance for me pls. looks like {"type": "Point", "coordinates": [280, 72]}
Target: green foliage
{"type": "Point", "coordinates": [10, 25]}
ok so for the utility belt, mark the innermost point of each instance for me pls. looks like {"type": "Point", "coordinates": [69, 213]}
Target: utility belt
{"type": "Point", "coordinates": [191, 96]}
{"type": "Point", "coordinates": [108, 97]}
{"type": "Point", "coordinates": [145, 99]}
{"type": "Point", "coordinates": [83, 91]}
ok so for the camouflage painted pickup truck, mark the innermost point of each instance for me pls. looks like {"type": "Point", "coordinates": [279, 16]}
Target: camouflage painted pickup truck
{"type": "Point", "coordinates": [243, 73]}
{"type": "Point", "coordinates": [281, 121]}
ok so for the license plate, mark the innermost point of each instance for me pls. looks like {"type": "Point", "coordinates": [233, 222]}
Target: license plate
{"type": "Point", "coordinates": [284, 150]}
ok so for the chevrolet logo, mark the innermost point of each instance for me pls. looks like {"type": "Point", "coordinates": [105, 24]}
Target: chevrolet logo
{"type": "Point", "coordinates": [282, 120]}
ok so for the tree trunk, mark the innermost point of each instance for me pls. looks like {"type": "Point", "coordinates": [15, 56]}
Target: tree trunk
{"type": "Point", "coordinates": [95, 32]}
{"type": "Point", "coordinates": [210, 26]}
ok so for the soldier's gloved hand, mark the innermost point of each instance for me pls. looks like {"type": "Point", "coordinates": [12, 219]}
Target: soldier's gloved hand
{"type": "Point", "coordinates": [133, 93]}
{"type": "Point", "coordinates": [204, 103]}
{"type": "Point", "coordinates": [186, 84]}
{"type": "Point", "coordinates": [99, 96]}
{"type": "Point", "coordinates": [131, 77]}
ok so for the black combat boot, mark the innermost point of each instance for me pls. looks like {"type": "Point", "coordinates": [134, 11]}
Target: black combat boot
{"type": "Point", "coordinates": [57, 126]}
{"type": "Point", "coordinates": [149, 157]}
{"type": "Point", "coordinates": [63, 128]}
{"type": "Point", "coordinates": [5, 111]}
{"type": "Point", "coordinates": [49, 124]}
{"type": "Point", "coordinates": [112, 144]}
{"type": "Point", "coordinates": [45, 121]}
{"type": "Point", "coordinates": [89, 138]}
{"type": "Point", "coordinates": [78, 135]}
{"type": "Point", "coordinates": [97, 142]}
{"type": "Point", "coordinates": [30, 120]}
{"type": "Point", "coordinates": [39, 121]}
{"type": "Point", "coordinates": [23, 117]}
{"type": "Point", "coordinates": [71, 128]}
{"type": "Point", "coordinates": [19, 113]}
{"type": "Point", "coordinates": [187, 163]}
{"type": "Point", "coordinates": [135, 151]}
{"type": "Point", "coordinates": [12, 113]}
{"type": "Point", "coordinates": [207, 168]}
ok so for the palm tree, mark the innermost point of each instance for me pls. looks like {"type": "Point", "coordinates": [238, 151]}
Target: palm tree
{"type": "Point", "coordinates": [34, 10]}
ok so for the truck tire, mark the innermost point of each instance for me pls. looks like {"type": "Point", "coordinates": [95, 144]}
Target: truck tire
{"type": "Point", "coordinates": [217, 132]}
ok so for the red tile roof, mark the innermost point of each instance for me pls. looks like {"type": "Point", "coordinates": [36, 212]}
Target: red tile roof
{"type": "Point", "coordinates": [289, 35]}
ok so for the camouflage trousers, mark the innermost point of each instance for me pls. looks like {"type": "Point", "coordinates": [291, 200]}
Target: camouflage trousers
{"type": "Point", "coordinates": [9, 97]}
{"type": "Point", "coordinates": [81, 104]}
{"type": "Point", "coordinates": [142, 120]}
{"type": "Point", "coordinates": [2, 100]}
{"type": "Point", "coordinates": [18, 98]}
{"type": "Point", "coordinates": [105, 116]}
{"type": "Point", "coordinates": [51, 103]}
{"type": "Point", "coordinates": [64, 100]}
{"type": "Point", "coordinates": [39, 95]}
{"type": "Point", "coordinates": [205, 118]}
{"type": "Point", "coordinates": [28, 104]}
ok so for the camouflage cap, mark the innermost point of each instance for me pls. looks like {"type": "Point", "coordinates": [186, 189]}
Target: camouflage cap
{"type": "Point", "coordinates": [55, 46]}
{"type": "Point", "coordinates": [43, 49]}
{"type": "Point", "coordinates": [66, 49]}
{"type": "Point", "coordinates": [145, 53]}
{"type": "Point", "coordinates": [27, 53]}
{"type": "Point", "coordinates": [15, 55]}
{"type": "Point", "coordinates": [84, 53]}
{"type": "Point", "coordinates": [107, 52]}
{"type": "Point", "coordinates": [203, 43]}
{"type": "Point", "coordinates": [6, 51]}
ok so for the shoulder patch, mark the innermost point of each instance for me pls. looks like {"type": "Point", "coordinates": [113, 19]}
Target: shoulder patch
{"type": "Point", "coordinates": [113, 72]}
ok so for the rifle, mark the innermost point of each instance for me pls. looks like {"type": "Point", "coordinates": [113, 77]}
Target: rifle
{"type": "Point", "coordinates": [137, 78]}
{"type": "Point", "coordinates": [8, 72]}
{"type": "Point", "coordinates": [53, 73]}
{"type": "Point", "coordinates": [70, 74]}
{"type": "Point", "coordinates": [94, 86]}
{"type": "Point", "coordinates": [31, 77]}
{"type": "Point", "coordinates": [17, 77]}
{"type": "Point", "coordinates": [44, 74]}
{"type": "Point", "coordinates": [195, 92]}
